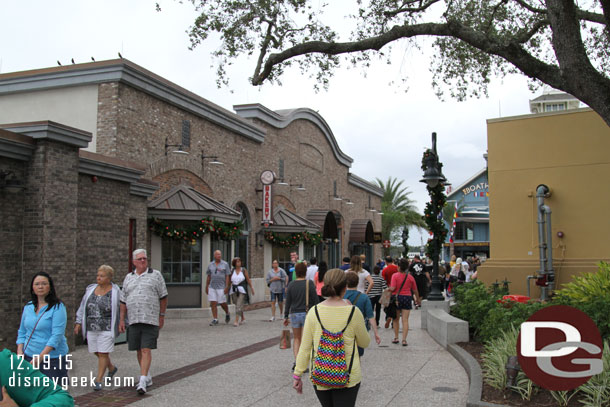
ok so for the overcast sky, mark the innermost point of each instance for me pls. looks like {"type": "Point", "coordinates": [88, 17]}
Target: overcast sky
{"type": "Point", "coordinates": [382, 127]}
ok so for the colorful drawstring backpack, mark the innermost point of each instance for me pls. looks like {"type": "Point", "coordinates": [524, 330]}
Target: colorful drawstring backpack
{"type": "Point", "coordinates": [329, 366]}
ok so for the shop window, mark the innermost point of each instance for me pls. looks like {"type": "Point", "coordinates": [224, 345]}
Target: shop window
{"type": "Point", "coordinates": [241, 244]}
{"type": "Point", "coordinates": [282, 255]}
{"type": "Point", "coordinates": [464, 231]}
{"type": "Point", "coordinates": [225, 249]}
{"type": "Point", "coordinates": [180, 261]}
{"type": "Point", "coordinates": [310, 251]}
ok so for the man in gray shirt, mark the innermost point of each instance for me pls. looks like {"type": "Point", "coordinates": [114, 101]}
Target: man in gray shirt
{"type": "Point", "coordinates": [143, 302]}
{"type": "Point", "coordinates": [217, 286]}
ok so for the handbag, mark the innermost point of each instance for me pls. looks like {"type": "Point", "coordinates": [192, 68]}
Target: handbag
{"type": "Point", "coordinates": [285, 339]}
{"type": "Point", "coordinates": [385, 297]}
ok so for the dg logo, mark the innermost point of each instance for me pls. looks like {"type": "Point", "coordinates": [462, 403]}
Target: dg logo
{"type": "Point", "coordinates": [560, 348]}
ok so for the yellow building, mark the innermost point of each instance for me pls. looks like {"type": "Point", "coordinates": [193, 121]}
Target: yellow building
{"type": "Point", "coordinates": [569, 151]}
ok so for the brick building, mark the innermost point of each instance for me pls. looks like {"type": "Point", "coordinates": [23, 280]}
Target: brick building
{"type": "Point", "coordinates": [101, 148]}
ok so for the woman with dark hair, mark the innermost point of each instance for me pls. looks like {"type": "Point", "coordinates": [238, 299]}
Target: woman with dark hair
{"type": "Point", "coordinates": [319, 279]}
{"type": "Point", "coordinates": [41, 336]}
{"type": "Point", "coordinates": [240, 281]}
{"type": "Point", "coordinates": [336, 315]}
{"type": "Point", "coordinates": [404, 287]}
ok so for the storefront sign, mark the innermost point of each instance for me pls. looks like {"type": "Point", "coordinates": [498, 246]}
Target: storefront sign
{"type": "Point", "coordinates": [267, 210]}
{"type": "Point", "coordinates": [377, 237]}
{"type": "Point", "coordinates": [480, 187]}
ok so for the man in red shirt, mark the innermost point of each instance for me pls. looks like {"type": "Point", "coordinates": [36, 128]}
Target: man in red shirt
{"type": "Point", "coordinates": [389, 270]}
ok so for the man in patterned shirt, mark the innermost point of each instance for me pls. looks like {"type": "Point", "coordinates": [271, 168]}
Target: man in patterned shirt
{"type": "Point", "coordinates": [143, 301]}
{"type": "Point", "coordinates": [217, 286]}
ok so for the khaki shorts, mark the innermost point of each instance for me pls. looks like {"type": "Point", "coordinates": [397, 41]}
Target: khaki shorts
{"type": "Point", "coordinates": [142, 336]}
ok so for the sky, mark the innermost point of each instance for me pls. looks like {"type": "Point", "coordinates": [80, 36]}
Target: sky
{"type": "Point", "coordinates": [384, 128]}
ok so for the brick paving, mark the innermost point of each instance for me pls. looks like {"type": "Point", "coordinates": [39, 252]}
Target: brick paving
{"type": "Point", "coordinates": [127, 395]}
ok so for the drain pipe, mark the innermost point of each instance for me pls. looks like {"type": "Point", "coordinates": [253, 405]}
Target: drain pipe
{"type": "Point", "coordinates": [542, 191]}
{"type": "Point", "coordinates": [550, 272]}
{"type": "Point", "coordinates": [528, 278]}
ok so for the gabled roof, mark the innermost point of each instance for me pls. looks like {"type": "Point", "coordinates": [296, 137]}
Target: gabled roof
{"type": "Point", "coordinates": [185, 203]}
{"type": "Point", "coordinates": [466, 183]}
{"type": "Point", "coordinates": [289, 222]}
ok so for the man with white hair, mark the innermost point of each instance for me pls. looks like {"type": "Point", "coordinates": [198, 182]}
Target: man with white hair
{"type": "Point", "coordinates": [217, 286]}
{"type": "Point", "coordinates": [143, 301]}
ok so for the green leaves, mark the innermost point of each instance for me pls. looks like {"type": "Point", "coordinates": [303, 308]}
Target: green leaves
{"type": "Point", "coordinates": [398, 209]}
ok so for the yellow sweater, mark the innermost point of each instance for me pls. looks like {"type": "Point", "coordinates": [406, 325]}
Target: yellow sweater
{"type": "Point", "coordinates": [334, 319]}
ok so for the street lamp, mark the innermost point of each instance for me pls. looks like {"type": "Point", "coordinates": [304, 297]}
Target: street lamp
{"type": "Point", "coordinates": [435, 180]}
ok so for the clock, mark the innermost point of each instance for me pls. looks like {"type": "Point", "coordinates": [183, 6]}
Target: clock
{"type": "Point", "coordinates": [267, 177]}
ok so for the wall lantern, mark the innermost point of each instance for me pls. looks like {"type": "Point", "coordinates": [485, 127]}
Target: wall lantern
{"type": "Point", "coordinates": [9, 182]}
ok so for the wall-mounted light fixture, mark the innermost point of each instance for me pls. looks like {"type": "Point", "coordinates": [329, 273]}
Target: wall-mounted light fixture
{"type": "Point", "coordinates": [281, 181]}
{"type": "Point", "coordinates": [178, 151]}
{"type": "Point", "coordinates": [348, 201]}
{"type": "Point", "coordinates": [299, 187]}
{"type": "Point", "coordinates": [9, 182]}
{"type": "Point", "coordinates": [213, 160]}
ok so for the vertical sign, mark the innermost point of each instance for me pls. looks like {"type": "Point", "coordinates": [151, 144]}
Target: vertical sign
{"type": "Point", "coordinates": [267, 205]}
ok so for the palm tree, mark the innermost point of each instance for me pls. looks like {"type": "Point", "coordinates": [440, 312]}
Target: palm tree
{"type": "Point", "coordinates": [398, 209]}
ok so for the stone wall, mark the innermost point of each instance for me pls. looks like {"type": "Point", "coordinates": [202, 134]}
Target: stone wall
{"type": "Point", "coordinates": [144, 122]}
{"type": "Point", "coordinates": [12, 294]}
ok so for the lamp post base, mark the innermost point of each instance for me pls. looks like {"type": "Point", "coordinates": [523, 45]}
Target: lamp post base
{"type": "Point", "coordinates": [436, 291]}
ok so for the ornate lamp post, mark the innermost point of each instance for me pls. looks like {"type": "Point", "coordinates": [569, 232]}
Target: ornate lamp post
{"type": "Point", "coordinates": [435, 180]}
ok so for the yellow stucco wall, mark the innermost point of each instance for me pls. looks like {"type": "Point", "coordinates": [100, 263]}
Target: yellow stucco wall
{"type": "Point", "coordinates": [570, 153]}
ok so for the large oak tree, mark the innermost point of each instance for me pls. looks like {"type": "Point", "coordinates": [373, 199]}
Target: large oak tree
{"type": "Point", "coordinates": [562, 43]}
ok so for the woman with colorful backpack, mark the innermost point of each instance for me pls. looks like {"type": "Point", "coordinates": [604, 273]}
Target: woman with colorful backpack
{"type": "Point", "coordinates": [332, 331]}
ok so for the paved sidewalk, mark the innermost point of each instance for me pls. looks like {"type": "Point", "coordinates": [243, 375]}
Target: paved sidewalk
{"type": "Point", "coordinates": [199, 365]}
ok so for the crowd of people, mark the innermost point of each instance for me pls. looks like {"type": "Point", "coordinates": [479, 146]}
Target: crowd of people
{"type": "Point", "coordinates": [348, 296]}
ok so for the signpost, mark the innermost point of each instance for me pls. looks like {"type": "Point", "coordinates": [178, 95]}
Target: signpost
{"type": "Point", "coordinates": [386, 244]}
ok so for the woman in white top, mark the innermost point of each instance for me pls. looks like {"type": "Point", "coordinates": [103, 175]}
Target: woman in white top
{"type": "Point", "coordinates": [239, 281]}
{"type": "Point", "coordinates": [355, 265]}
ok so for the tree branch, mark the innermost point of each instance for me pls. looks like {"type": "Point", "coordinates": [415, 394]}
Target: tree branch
{"type": "Point", "coordinates": [582, 14]}
{"type": "Point", "coordinates": [513, 52]}
{"type": "Point", "coordinates": [401, 10]}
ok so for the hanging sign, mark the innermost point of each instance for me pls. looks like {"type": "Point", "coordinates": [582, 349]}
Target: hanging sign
{"type": "Point", "coordinates": [267, 210]}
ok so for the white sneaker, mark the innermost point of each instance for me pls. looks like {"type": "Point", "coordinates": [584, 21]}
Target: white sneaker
{"type": "Point", "coordinates": [141, 389]}
{"type": "Point", "coordinates": [271, 319]}
{"type": "Point", "coordinates": [149, 380]}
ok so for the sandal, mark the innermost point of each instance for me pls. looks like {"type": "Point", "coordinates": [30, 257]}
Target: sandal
{"type": "Point", "coordinates": [404, 343]}
{"type": "Point", "coordinates": [395, 341]}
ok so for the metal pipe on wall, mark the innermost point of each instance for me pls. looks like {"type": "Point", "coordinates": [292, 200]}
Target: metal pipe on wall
{"type": "Point", "coordinates": [550, 272]}
{"type": "Point", "coordinates": [545, 241]}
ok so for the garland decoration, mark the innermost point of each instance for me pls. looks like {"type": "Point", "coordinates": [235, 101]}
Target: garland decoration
{"type": "Point", "coordinates": [293, 239]}
{"type": "Point", "coordinates": [433, 212]}
{"type": "Point", "coordinates": [221, 230]}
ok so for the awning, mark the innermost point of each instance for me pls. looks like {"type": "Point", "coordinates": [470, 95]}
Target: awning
{"type": "Point", "coordinates": [326, 220]}
{"type": "Point", "coordinates": [361, 231]}
{"type": "Point", "coordinates": [185, 203]}
{"type": "Point", "coordinates": [289, 222]}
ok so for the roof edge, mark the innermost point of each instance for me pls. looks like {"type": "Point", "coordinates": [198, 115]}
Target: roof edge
{"type": "Point", "coordinates": [282, 118]}
{"type": "Point", "coordinates": [364, 184]}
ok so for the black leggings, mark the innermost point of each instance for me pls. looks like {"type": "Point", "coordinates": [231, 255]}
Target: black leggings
{"type": "Point", "coordinates": [377, 307]}
{"type": "Point", "coordinates": [345, 397]}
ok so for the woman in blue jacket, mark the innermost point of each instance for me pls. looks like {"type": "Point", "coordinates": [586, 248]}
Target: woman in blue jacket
{"type": "Point", "coordinates": [41, 336]}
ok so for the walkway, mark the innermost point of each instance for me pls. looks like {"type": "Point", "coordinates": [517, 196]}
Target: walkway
{"type": "Point", "coordinates": [199, 365]}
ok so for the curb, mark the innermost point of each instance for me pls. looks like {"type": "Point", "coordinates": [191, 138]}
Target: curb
{"type": "Point", "coordinates": [475, 376]}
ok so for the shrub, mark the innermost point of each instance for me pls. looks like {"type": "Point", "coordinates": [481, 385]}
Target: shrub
{"type": "Point", "coordinates": [473, 303]}
{"type": "Point", "coordinates": [596, 391]}
{"type": "Point", "coordinates": [501, 318]}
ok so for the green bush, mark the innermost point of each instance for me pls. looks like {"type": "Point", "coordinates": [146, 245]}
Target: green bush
{"type": "Point", "coordinates": [503, 317]}
{"type": "Point", "coordinates": [596, 392]}
{"type": "Point", "coordinates": [473, 303]}
{"type": "Point", "coordinates": [590, 293]}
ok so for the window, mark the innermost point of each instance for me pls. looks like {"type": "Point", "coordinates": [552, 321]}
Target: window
{"type": "Point", "coordinates": [186, 133]}
{"type": "Point", "coordinates": [464, 231]}
{"type": "Point", "coordinates": [282, 255]}
{"type": "Point", "coordinates": [281, 169]}
{"type": "Point", "coordinates": [225, 249]}
{"type": "Point", "coordinates": [181, 262]}
{"type": "Point", "coordinates": [241, 244]}
{"type": "Point", "coordinates": [553, 107]}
